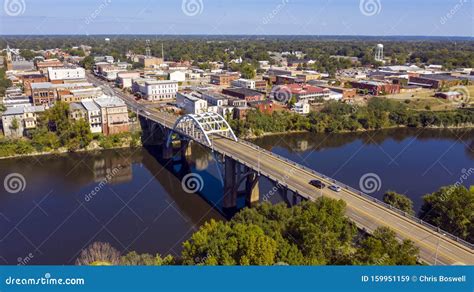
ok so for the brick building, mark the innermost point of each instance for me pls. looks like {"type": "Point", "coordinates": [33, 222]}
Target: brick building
{"type": "Point", "coordinates": [32, 78]}
{"type": "Point", "coordinates": [376, 87]}
{"type": "Point", "coordinates": [224, 79]}
{"type": "Point", "coordinates": [244, 93]}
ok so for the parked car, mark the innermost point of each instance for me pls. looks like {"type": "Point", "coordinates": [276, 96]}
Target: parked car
{"type": "Point", "coordinates": [335, 188]}
{"type": "Point", "coordinates": [317, 183]}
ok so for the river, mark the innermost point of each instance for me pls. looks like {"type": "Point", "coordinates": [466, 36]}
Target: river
{"type": "Point", "coordinates": [135, 201]}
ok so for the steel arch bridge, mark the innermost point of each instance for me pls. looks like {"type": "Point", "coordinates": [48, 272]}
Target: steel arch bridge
{"type": "Point", "coordinates": [200, 128]}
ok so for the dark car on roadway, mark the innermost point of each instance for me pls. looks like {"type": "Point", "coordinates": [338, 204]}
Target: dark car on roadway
{"type": "Point", "coordinates": [317, 183]}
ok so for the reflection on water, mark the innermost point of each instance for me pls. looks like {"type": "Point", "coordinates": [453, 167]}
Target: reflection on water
{"type": "Point", "coordinates": [128, 198]}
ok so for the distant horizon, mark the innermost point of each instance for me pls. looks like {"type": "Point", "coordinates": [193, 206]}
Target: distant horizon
{"type": "Point", "coordinates": [438, 18]}
{"type": "Point", "coordinates": [249, 35]}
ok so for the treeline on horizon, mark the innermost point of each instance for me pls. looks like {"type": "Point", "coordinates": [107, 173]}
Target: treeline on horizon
{"type": "Point", "coordinates": [335, 117]}
{"type": "Point", "coordinates": [451, 53]}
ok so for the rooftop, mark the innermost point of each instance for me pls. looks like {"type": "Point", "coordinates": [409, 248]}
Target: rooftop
{"type": "Point", "coordinates": [109, 101]}
{"type": "Point", "coordinates": [23, 109]}
{"type": "Point", "coordinates": [90, 105]}
{"type": "Point", "coordinates": [305, 89]}
{"type": "Point", "coordinates": [241, 90]}
{"type": "Point", "coordinates": [439, 77]}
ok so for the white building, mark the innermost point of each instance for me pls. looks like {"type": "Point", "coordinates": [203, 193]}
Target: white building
{"type": "Point", "coordinates": [17, 120]}
{"type": "Point", "coordinates": [178, 76]}
{"type": "Point", "coordinates": [244, 83]}
{"type": "Point", "coordinates": [94, 116]}
{"type": "Point", "coordinates": [214, 98]}
{"type": "Point", "coordinates": [158, 90]}
{"type": "Point", "coordinates": [125, 79]}
{"type": "Point", "coordinates": [66, 73]}
{"type": "Point", "coordinates": [301, 107]}
{"type": "Point", "coordinates": [191, 104]}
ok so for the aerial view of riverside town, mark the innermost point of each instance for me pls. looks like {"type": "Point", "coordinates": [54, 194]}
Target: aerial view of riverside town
{"type": "Point", "coordinates": [237, 133]}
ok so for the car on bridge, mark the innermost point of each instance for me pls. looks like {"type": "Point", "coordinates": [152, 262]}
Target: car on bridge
{"type": "Point", "coordinates": [317, 183]}
{"type": "Point", "coordinates": [335, 188]}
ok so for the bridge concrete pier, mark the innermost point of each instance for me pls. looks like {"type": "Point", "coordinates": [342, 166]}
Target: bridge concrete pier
{"type": "Point", "coordinates": [236, 174]}
{"type": "Point", "coordinates": [252, 190]}
{"type": "Point", "coordinates": [230, 181]}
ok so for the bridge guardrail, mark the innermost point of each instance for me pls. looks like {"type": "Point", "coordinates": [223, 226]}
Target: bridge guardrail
{"type": "Point", "coordinates": [366, 196]}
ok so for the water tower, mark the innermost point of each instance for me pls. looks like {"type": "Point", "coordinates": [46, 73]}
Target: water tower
{"type": "Point", "coordinates": [379, 53]}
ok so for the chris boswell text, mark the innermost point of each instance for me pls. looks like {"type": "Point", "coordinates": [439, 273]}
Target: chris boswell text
{"type": "Point", "coordinates": [414, 278]}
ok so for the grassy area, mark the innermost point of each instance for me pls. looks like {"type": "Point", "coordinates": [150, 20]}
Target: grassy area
{"type": "Point", "coordinates": [425, 100]}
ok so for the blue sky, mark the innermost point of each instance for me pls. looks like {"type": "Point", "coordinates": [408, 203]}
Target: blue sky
{"type": "Point", "coordinates": [301, 17]}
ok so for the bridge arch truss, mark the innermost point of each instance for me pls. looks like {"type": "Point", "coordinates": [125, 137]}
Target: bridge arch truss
{"type": "Point", "coordinates": [201, 127]}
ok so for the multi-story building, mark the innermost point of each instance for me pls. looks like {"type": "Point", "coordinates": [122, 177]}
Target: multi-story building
{"type": "Point", "coordinates": [435, 81]}
{"type": "Point", "coordinates": [224, 79]}
{"type": "Point", "coordinates": [306, 92]}
{"type": "Point", "coordinates": [308, 76]}
{"type": "Point", "coordinates": [125, 79]}
{"type": "Point", "coordinates": [66, 73]}
{"type": "Point", "coordinates": [261, 85]}
{"type": "Point", "coordinates": [376, 87]}
{"type": "Point", "coordinates": [150, 62]}
{"type": "Point", "coordinates": [108, 59]}
{"type": "Point", "coordinates": [157, 89]}
{"type": "Point", "coordinates": [244, 93]}
{"type": "Point", "coordinates": [17, 121]}
{"type": "Point", "coordinates": [49, 63]}
{"type": "Point", "coordinates": [77, 111]}
{"type": "Point", "coordinates": [301, 107]}
{"type": "Point", "coordinates": [43, 93]}
{"type": "Point", "coordinates": [114, 115]}
{"type": "Point", "coordinates": [191, 103]}
{"type": "Point", "coordinates": [264, 106]}
{"type": "Point", "coordinates": [76, 95]}
{"type": "Point", "coordinates": [93, 115]}
{"type": "Point", "coordinates": [178, 76]}
{"type": "Point", "coordinates": [215, 98]}
{"type": "Point", "coordinates": [32, 78]}
{"type": "Point", "coordinates": [285, 79]}
{"type": "Point", "coordinates": [244, 83]}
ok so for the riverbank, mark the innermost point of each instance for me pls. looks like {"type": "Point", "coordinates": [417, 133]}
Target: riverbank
{"type": "Point", "coordinates": [107, 143]}
{"type": "Point", "coordinates": [252, 136]}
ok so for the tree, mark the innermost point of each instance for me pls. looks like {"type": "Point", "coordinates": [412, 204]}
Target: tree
{"type": "Point", "coordinates": [399, 201]}
{"type": "Point", "coordinates": [135, 259]}
{"type": "Point", "coordinates": [15, 125]}
{"type": "Point", "coordinates": [99, 254]}
{"type": "Point", "coordinates": [219, 243]}
{"type": "Point", "coordinates": [247, 71]}
{"type": "Point", "coordinates": [450, 209]}
{"type": "Point", "coordinates": [383, 249]}
{"type": "Point", "coordinates": [87, 62]}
